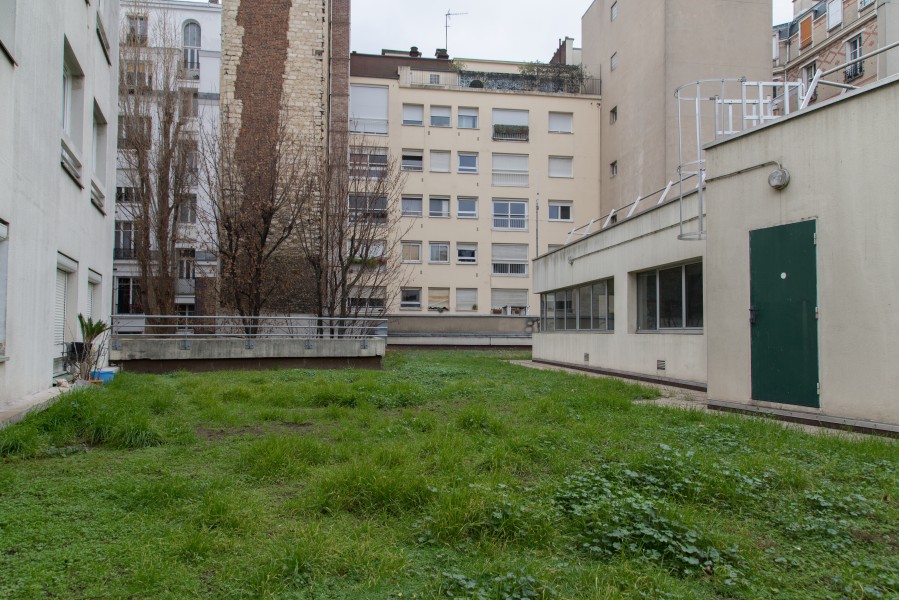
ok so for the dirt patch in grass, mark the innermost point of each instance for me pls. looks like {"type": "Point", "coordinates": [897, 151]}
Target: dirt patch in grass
{"type": "Point", "coordinates": [220, 433]}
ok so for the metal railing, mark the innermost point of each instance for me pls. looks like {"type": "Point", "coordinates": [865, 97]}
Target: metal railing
{"type": "Point", "coordinates": [504, 82]}
{"type": "Point", "coordinates": [503, 178]}
{"type": "Point", "coordinates": [235, 326]}
{"type": "Point", "coordinates": [124, 253]}
{"type": "Point", "coordinates": [511, 133]}
{"type": "Point", "coordinates": [510, 223]}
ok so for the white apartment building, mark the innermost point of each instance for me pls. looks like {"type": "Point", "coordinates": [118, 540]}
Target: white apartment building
{"type": "Point", "coordinates": [498, 167]}
{"type": "Point", "coordinates": [192, 33]}
{"type": "Point", "coordinates": [58, 74]}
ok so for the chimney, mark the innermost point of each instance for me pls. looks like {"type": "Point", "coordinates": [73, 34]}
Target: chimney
{"type": "Point", "coordinates": [442, 54]}
{"type": "Point", "coordinates": [414, 53]}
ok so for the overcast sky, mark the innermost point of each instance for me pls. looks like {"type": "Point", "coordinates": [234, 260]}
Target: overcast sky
{"type": "Point", "coordinates": [524, 30]}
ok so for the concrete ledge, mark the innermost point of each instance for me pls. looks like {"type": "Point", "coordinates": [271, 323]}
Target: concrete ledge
{"type": "Point", "coordinates": [249, 364]}
{"type": "Point", "coordinates": [459, 340]}
{"type": "Point", "coordinates": [805, 418]}
{"type": "Point", "coordinates": [696, 386]}
{"type": "Point", "coordinates": [17, 410]}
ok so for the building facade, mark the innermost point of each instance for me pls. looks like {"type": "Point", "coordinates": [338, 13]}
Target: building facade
{"type": "Point", "coordinates": [642, 52]}
{"type": "Point", "coordinates": [498, 165]}
{"type": "Point", "coordinates": [58, 73]}
{"type": "Point", "coordinates": [189, 35]}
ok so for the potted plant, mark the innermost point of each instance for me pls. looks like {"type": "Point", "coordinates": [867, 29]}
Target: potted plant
{"type": "Point", "coordinates": [91, 348]}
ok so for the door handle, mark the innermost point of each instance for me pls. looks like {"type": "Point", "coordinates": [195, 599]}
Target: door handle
{"type": "Point", "coordinates": [753, 312]}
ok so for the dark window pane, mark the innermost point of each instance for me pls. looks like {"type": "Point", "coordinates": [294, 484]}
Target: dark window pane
{"type": "Point", "coordinates": [583, 304]}
{"type": "Point", "coordinates": [646, 301]}
{"type": "Point", "coordinates": [693, 277]}
{"type": "Point", "coordinates": [671, 297]}
{"type": "Point", "coordinates": [599, 305]}
{"type": "Point", "coordinates": [549, 317]}
{"type": "Point", "coordinates": [610, 303]}
{"type": "Point", "coordinates": [560, 311]}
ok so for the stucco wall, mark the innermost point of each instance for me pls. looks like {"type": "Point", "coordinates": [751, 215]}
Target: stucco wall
{"type": "Point", "coordinates": [644, 242]}
{"type": "Point", "coordinates": [842, 158]}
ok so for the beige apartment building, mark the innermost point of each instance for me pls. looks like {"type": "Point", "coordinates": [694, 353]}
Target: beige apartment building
{"type": "Point", "coordinates": [826, 34]}
{"type": "Point", "coordinates": [498, 166]}
{"type": "Point", "coordinates": [643, 51]}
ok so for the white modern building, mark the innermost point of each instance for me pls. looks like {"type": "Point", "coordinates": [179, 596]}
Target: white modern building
{"type": "Point", "coordinates": [58, 90]}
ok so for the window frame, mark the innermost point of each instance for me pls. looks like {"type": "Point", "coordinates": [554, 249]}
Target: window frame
{"type": "Point", "coordinates": [442, 214]}
{"type": "Point", "coordinates": [466, 214]}
{"type": "Point", "coordinates": [833, 21]}
{"type": "Point", "coordinates": [448, 117]}
{"type": "Point", "coordinates": [466, 246]}
{"type": "Point", "coordinates": [460, 115]}
{"type": "Point", "coordinates": [410, 304]}
{"type": "Point", "coordinates": [513, 267]}
{"type": "Point", "coordinates": [508, 215]}
{"type": "Point", "coordinates": [613, 115]}
{"type": "Point", "coordinates": [654, 276]}
{"type": "Point", "coordinates": [569, 160]}
{"type": "Point", "coordinates": [432, 246]}
{"type": "Point", "coordinates": [403, 246]}
{"type": "Point", "coordinates": [555, 318]}
{"type": "Point", "coordinates": [570, 122]}
{"type": "Point", "coordinates": [613, 169]}
{"type": "Point", "coordinates": [613, 11]}
{"type": "Point", "coordinates": [408, 162]}
{"type": "Point", "coordinates": [467, 170]}
{"type": "Point", "coordinates": [411, 197]}
{"type": "Point", "coordinates": [560, 204]}
{"type": "Point", "coordinates": [449, 161]}
{"type": "Point", "coordinates": [414, 122]}
{"type": "Point", "coordinates": [613, 61]}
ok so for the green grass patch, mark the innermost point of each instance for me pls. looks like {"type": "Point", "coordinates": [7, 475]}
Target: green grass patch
{"type": "Point", "coordinates": [448, 474]}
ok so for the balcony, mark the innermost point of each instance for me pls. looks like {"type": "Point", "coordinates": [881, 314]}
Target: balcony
{"type": "Point", "coordinates": [124, 254]}
{"type": "Point", "coordinates": [515, 223]}
{"type": "Point", "coordinates": [854, 71]}
{"type": "Point", "coordinates": [551, 80]}
{"type": "Point", "coordinates": [190, 70]}
{"type": "Point", "coordinates": [511, 133]}
{"type": "Point", "coordinates": [507, 178]}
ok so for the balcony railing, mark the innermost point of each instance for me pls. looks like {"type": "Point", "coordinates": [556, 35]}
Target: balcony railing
{"type": "Point", "coordinates": [512, 269]}
{"type": "Point", "coordinates": [854, 71]}
{"type": "Point", "coordinates": [568, 82]}
{"type": "Point", "coordinates": [511, 133]}
{"type": "Point", "coordinates": [124, 254]}
{"type": "Point", "coordinates": [503, 178]}
{"type": "Point", "coordinates": [228, 326]}
{"type": "Point", "coordinates": [371, 126]}
{"type": "Point", "coordinates": [413, 165]}
{"type": "Point", "coordinates": [190, 70]}
{"type": "Point", "coordinates": [520, 223]}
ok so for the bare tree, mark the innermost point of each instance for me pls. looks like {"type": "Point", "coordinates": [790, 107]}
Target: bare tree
{"type": "Point", "coordinates": [350, 240]}
{"type": "Point", "coordinates": [158, 112]}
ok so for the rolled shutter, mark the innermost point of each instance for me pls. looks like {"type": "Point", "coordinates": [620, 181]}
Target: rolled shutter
{"type": "Point", "coordinates": [500, 298]}
{"type": "Point", "coordinates": [466, 298]}
{"type": "Point", "coordinates": [440, 161]}
{"type": "Point", "coordinates": [413, 114]}
{"type": "Point", "coordinates": [510, 252]}
{"type": "Point", "coordinates": [560, 166]}
{"type": "Point", "coordinates": [560, 122]}
{"type": "Point", "coordinates": [59, 322]}
{"type": "Point", "coordinates": [510, 162]}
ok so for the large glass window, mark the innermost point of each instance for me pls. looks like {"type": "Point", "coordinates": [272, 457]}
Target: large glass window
{"type": "Point", "coordinates": [411, 206]}
{"type": "Point", "coordinates": [438, 206]}
{"type": "Point", "coordinates": [670, 298]}
{"type": "Point", "coordinates": [192, 50]}
{"type": "Point", "coordinates": [510, 214]}
{"type": "Point", "coordinates": [589, 307]}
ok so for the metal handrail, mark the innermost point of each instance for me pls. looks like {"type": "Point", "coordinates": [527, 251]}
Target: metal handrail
{"type": "Point", "coordinates": [235, 326]}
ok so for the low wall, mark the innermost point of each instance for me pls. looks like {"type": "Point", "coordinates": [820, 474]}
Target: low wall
{"type": "Point", "coordinates": [211, 354]}
{"type": "Point", "coordinates": [453, 330]}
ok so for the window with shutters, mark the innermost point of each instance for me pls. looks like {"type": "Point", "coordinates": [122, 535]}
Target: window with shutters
{"type": "Point", "coordinates": [439, 253]}
{"type": "Point", "coordinates": [413, 114]}
{"type": "Point", "coordinates": [368, 109]}
{"type": "Point", "coordinates": [510, 125]}
{"type": "Point", "coordinates": [559, 210]}
{"type": "Point", "coordinates": [411, 206]}
{"type": "Point", "coordinates": [510, 214]}
{"type": "Point", "coordinates": [589, 307]}
{"type": "Point", "coordinates": [410, 298]}
{"type": "Point", "coordinates": [440, 161]}
{"type": "Point", "coordinates": [467, 208]}
{"type": "Point", "coordinates": [510, 260]}
{"type": "Point", "coordinates": [670, 298]}
{"type": "Point", "coordinates": [438, 299]}
{"type": "Point", "coordinates": [466, 253]}
{"type": "Point", "coordinates": [561, 122]}
{"type": "Point", "coordinates": [467, 118]}
{"type": "Point", "coordinates": [466, 299]}
{"type": "Point", "coordinates": [834, 13]}
{"type": "Point", "coordinates": [509, 301]}
{"type": "Point", "coordinates": [510, 170]}
{"type": "Point", "coordinates": [805, 31]}
{"type": "Point", "coordinates": [439, 206]}
{"type": "Point", "coordinates": [411, 252]}
{"type": "Point", "coordinates": [441, 116]}
{"type": "Point", "coordinates": [413, 160]}
{"type": "Point", "coordinates": [4, 282]}
{"type": "Point", "coordinates": [561, 166]}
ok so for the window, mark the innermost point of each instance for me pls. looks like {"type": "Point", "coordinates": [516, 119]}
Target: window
{"type": "Point", "coordinates": [410, 298]}
{"type": "Point", "coordinates": [439, 252]}
{"type": "Point", "coordinates": [510, 302]}
{"type": "Point", "coordinates": [368, 163]}
{"type": "Point", "coordinates": [137, 30]}
{"type": "Point", "coordinates": [589, 307]}
{"type": "Point", "coordinates": [370, 209]}
{"type": "Point", "coordinates": [559, 211]}
{"type": "Point", "coordinates": [510, 214]}
{"type": "Point", "coordinates": [613, 62]}
{"type": "Point", "coordinates": [808, 73]}
{"type": "Point", "coordinates": [561, 166]}
{"type": "Point", "coordinates": [670, 298]}
{"type": "Point", "coordinates": [123, 248]}
{"type": "Point", "coordinates": [440, 161]}
{"type": "Point", "coordinates": [99, 145]}
{"type": "Point", "coordinates": [438, 206]}
{"type": "Point", "coordinates": [561, 122]}
{"type": "Point", "coordinates": [613, 168]}
{"type": "Point", "coordinates": [187, 209]}
{"type": "Point", "coordinates": [834, 13]}
{"type": "Point", "coordinates": [411, 252]}
{"type": "Point", "coordinates": [367, 298]}
{"type": "Point", "coordinates": [466, 299]}
{"type": "Point", "coordinates": [854, 52]}
{"type": "Point", "coordinates": [125, 194]}
{"type": "Point", "coordinates": [368, 254]}
{"type": "Point", "coordinates": [510, 259]}
{"type": "Point", "coordinates": [411, 206]}
{"type": "Point", "coordinates": [805, 31]}
{"type": "Point", "coordinates": [434, 79]}
{"type": "Point", "coordinates": [863, 3]}
{"type": "Point", "coordinates": [186, 263]}
{"type": "Point", "coordinates": [413, 160]}
{"type": "Point", "coordinates": [92, 300]}
{"type": "Point", "coordinates": [441, 116]}
{"type": "Point", "coordinates": [468, 162]}
{"type": "Point", "coordinates": [368, 109]}
{"type": "Point", "coordinates": [468, 118]}
{"type": "Point", "coordinates": [413, 114]}
{"type": "Point", "coordinates": [192, 50]}
{"type": "Point", "coordinates": [127, 295]}
{"type": "Point", "coordinates": [72, 95]}
{"type": "Point", "coordinates": [468, 208]}
{"type": "Point", "coordinates": [138, 76]}
{"type": "Point", "coordinates": [188, 147]}
{"type": "Point", "coordinates": [438, 299]}
{"type": "Point", "coordinates": [7, 36]}
{"type": "Point", "coordinates": [613, 115]}
{"type": "Point", "coordinates": [510, 170]}
{"type": "Point", "coordinates": [510, 125]}
{"type": "Point", "coordinates": [466, 254]}
{"type": "Point", "coordinates": [613, 11]}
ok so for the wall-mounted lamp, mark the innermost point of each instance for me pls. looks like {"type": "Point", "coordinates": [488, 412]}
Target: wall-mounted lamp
{"type": "Point", "coordinates": [779, 179]}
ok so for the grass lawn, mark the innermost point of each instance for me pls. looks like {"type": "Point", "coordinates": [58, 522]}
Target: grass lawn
{"type": "Point", "coordinates": [446, 475]}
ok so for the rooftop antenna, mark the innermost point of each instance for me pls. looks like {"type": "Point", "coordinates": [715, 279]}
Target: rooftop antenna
{"type": "Point", "coordinates": [447, 26]}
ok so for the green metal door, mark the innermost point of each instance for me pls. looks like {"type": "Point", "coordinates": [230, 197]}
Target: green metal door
{"type": "Point", "coordinates": [783, 314]}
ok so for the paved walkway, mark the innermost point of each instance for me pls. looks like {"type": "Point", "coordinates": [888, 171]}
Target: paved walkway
{"type": "Point", "coordinates": [15, 410]}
